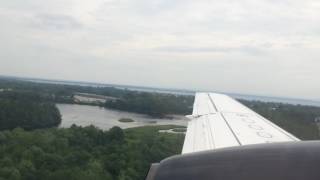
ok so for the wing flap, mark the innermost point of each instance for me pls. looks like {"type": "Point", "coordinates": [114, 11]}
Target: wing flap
{"type": "Point", "coordinates": [251, 129]}
{"type": "Point", "coordinates": [203, 134]}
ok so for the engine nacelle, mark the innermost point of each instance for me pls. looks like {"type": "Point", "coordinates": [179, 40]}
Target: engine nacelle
{"type": "Point", "coordinates": [276, 161]}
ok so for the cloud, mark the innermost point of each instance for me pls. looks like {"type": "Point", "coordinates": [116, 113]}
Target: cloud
{"type": "Point", "coordinates": [242, 49]}
{"type": "Point", "coordinates": [266, 47]}
{"type": "Point", "coordinates": [56, 22]}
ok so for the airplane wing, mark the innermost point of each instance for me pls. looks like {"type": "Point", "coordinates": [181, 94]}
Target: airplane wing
{"type": "Point", "coordinates": [226, 140]}
{"type": "Point", "coordinates": [219, 121]}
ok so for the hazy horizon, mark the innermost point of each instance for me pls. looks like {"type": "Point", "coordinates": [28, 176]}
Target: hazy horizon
{"type": "Point", "coordinates": [267, 98]}
{"type": "Point", "coordinates": [267, 47]}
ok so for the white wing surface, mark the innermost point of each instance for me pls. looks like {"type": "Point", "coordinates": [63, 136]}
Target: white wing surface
{"type": "Point", "coordinates": [218, 121]}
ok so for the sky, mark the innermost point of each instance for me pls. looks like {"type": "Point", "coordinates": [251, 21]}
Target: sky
{"type": "Point", "coordinates": [265, 47]}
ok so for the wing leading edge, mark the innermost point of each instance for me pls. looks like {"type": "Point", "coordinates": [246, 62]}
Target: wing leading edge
{"type": "Point", "coordinates": [218, 121]}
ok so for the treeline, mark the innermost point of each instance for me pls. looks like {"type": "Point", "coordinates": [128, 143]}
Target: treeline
{"type": "Point", "coordinates": [296, 119]}
{"type": "Point", "coordinates": [26, 110]}
{"type": "Point", "coordinates": [58, 92]}
{"type": "Point", "coordinates": [154, 104]}
{"type": "Point", "coordinates": [84, 153]}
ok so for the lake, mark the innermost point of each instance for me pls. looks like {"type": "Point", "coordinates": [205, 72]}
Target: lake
{"type": "Point", "coordinates": [83, 115]}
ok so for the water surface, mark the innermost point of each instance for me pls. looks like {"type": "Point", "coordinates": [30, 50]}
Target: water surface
{"type": "Point", "coordinates": [83, 115]}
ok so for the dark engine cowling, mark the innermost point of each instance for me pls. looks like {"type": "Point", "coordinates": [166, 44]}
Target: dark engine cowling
{"type": "Point", "coordinates": [277, 161]}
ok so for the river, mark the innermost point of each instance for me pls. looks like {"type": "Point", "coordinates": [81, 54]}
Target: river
{"type": "Point", "coordinates": [83, 115]}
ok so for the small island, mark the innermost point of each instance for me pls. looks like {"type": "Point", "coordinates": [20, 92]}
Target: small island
{"type": "Point", "coordinates": [126, 120]}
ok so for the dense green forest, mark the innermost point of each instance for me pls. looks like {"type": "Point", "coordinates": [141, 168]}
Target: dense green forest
{"type": "Point", "coordinates": [153, 104]}
{"type": "Point", "coordinates": [84, 153]}
{"type": "Point", "coordinates": [26, 110]}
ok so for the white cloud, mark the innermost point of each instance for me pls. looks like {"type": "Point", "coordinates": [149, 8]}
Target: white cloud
{"type": "Point", "coordinates": [266, 47]}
